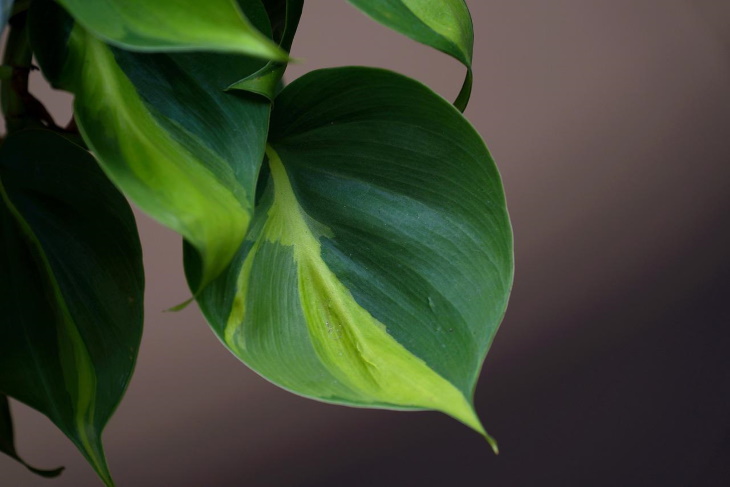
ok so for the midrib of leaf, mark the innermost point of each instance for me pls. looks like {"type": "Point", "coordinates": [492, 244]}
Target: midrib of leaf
{"type": "Point", "coordinates": [72, 348]}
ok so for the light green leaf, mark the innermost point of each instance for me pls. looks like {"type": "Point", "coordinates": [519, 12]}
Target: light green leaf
{"type": "Point", "coordinates": [72, 287]}
{"type": "Point", "coordinates": [174, 25]}
{"type": "Point", "coordinates": [379, 263]}
{"type": "Point", "coordinates": [284, 16]}
{"type": "Point", "coordinates": [7, 441]}
{"type": "Point", "coordinates": [442, 24]}
{"type": "Point", "coordinates": [166, 133]}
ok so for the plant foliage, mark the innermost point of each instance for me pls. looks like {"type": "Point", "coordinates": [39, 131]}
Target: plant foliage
{"type": "Point", "coordinates": [346, 236]}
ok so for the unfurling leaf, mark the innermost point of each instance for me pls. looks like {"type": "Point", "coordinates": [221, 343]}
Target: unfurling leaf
{"type": "Point", "coordinates": [442, 24]}
{"type": "Point", "coordinates": [168, 135]}
{"type": "Point", "coordinates": [379, 262]}
{"type": "Point", "coordinates": [71, 289]}
{"type": "Point", "coordinates": [174, 25]}
{"type": "Point", "coordinates": [284, 15]}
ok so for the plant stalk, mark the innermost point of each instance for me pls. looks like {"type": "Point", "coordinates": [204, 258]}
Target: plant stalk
{"type": "Point", "coordinates": [21, 109]}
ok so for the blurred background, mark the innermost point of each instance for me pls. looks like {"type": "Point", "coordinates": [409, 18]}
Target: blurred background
{"type": "Point", "coordinates": [610, 122]}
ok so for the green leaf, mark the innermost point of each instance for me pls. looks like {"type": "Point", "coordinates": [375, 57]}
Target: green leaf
{"type": "Point", "coordinates": [72, 287]}
{"type": "Point", "coordinates": [442, 24]}
{"type": "Point", "coordinates": [166, 133]}
{"type": "Point", "coordinates": [174, 25]}
{"type": "Point", "coordinates": [7, 441]}
{"type": "Point", "coordinates": [379, 263]}
{"type": "Point", "coordinates": [284, 15]}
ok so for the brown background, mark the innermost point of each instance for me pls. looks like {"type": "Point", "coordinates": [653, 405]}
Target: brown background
{"type": "Point", "coordinates": [609, 120]}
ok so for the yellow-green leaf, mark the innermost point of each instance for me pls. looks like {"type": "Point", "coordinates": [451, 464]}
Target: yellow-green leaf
{"type": "Point", "coordinates": [379, 262]}
{"type": "Point", "coordinates": [174, 25]}
{"type": "Point", "coordinates": [167, 134]}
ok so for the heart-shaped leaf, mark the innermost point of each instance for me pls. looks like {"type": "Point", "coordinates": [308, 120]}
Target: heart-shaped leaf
{"type": "Point", "coordinates": [72, 287]}
{"type": "Point", "coordinates": [379, 262]}
{"type": "Point", "coordinates": [442, 24]}
{"type": "Point", "coordinates": [175, 25]}
{"type": "Point", "coordinates": [167, 134]}
{"type": "Point", "coordinates": [7, 441]}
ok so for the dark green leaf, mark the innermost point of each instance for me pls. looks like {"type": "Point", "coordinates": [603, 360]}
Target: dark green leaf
{"type": "Point", "coordinates": [379, 263]}
{"type": "Point", "coordinates": [442, 24]}
{"type": "Point", "coordinates": [72, 287]}
{"type": "Point", "coordinates": [174, 25]}
{"type": "Point", "coordinates": [165, 131]}
{"type": "Point", "coordinates": [7, 440]}
{"type": "Point", "coordinates": [284, 16]}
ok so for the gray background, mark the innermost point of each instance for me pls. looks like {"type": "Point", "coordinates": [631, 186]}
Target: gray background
{"type": "Point", "coordinates": [609, 120]}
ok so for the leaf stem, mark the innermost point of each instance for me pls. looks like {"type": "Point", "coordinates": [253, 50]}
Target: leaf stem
{"type": "Point", "coordinates": [20, 107]}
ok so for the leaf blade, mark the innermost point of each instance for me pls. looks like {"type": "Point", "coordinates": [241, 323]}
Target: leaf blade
{"type": "Point", "coordinates": [170, 138]}
{"type": "Point", "coordinates": [74, 296]}
{"type": "Point", "coordinates": [399, 227]}
{"type": "Point", "coordinates": [174, 25]}
{"type": "Point", "coordinates": [445, 25]}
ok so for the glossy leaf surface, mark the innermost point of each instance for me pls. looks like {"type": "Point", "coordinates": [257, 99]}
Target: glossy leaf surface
{"type": "Point", "coordinates": [180, 147]}
{"type": "Point", "coordinates": [174, 25]}
{"type": "Point", "coordinates": [379, 263]}
{"type": "Point", "coordinates": [72, 287]}
{"type": "Point", "coordinates": [7, 440]}
{"type": "Point", "coordinates": [284, 16]}
{"type": "Point", "coordinates": [442, 24]}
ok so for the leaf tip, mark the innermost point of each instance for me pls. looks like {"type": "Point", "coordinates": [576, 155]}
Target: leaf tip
{"type": "Point", "coordinates": [181, 306]}
{"type": "Point", "coordinates": [269, 50]}
{"type": "Point", "coordinates": [471, 419]}
{"type": "Point", "coordinates": [492, 442]}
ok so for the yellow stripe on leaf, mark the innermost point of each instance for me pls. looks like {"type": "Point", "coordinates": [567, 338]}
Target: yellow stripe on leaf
{"type": "Point", "coordinates": [352, 345]}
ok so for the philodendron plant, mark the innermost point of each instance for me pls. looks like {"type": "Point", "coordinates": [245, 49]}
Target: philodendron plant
{"type": "Point", "coordinates": [345, 235]}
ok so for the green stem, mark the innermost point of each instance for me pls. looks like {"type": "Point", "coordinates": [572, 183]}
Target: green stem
{"type": "Point", "coordinates": [18, 57]}
{"type": "Point", "coordinates": [21, 109]}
